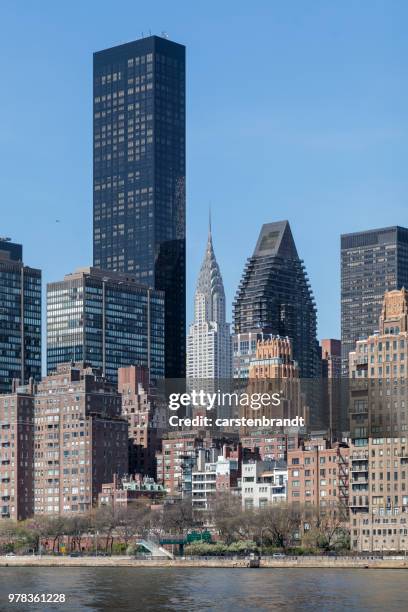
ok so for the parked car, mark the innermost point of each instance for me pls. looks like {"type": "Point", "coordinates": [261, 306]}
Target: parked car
{"type": "Point", "coordinates": [278, 555]}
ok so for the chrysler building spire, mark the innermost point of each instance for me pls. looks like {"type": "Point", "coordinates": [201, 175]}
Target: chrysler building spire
{"type": "Point", "coordinates": [209, 340]}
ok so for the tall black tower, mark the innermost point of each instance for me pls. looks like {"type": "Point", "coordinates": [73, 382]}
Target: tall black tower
{"type": "Point", "coordinates": [20, 318]}
{"type": "Point", "coordinates": [139, 174]}
{"type": "Point", "coordinates": [274, 296]}
{"type": "Point", "coordinates": [372, 262]}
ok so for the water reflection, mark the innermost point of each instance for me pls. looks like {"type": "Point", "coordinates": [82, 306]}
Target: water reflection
{"type": "Point", "coordinates": [111, 589]}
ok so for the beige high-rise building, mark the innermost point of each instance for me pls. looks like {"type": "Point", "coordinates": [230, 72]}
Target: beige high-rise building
{"type": "Point", "coordinates": [275, 371]}
{"type": "Point", "coordinates": [80, 439]}
{"type": "Point", "coordinates": [378, 427]}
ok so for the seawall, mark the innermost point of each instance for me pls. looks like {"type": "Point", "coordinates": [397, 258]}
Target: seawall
{"type": "Point", "coordinates": [122, 561]}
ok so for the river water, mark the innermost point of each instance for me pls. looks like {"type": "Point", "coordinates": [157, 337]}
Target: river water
{"type": "Point", "coordinates": [189, 589]}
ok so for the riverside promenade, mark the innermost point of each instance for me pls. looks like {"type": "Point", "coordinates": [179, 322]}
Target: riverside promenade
{"type": "Point", "coordinates": [396, 562]}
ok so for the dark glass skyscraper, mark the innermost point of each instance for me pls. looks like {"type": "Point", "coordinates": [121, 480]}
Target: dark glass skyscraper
{"type": "Point", "coordinates": [20, 317]}
{"type": "Point", "coordinates": [139, 174]}
{"type": "Point", "coordinates": [105, 319]}
{"type": "Point", "coordinates": [274, 296]}
{"type": "Point", "coordinates": [372, 262]}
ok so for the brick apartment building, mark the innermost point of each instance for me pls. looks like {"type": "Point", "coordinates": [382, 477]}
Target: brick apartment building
{"type": "Point", "coordinates": [177, 448]}
{"type": "Point", "coordinates": [271, 445]}
{"type": "Point", "coordinates": [80, 439]}
{"type": "Point", "coordinates": [16, 453]}
{"type": "Point", "coordinates": [178, 456]}
{"type": "Point", "coordinates": [146, 417]}
{"type": "Point", "coordinates": [318, 475]}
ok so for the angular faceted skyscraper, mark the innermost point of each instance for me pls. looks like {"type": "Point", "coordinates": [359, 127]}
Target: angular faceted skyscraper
{"type": "Point", "coordinates": [209, 354]}
{"type": "Point", "coordinates": [274, 296]}
{"type": "Point", "coordinates": [139, 174]}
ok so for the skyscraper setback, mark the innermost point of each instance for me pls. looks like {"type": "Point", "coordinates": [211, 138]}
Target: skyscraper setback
{"type": "Point", "coordinates": [372, 262]}
{"type": "Point", "coordinates": [139, 174]}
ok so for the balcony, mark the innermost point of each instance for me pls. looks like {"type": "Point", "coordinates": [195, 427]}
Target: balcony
{"type": "Point", "coordinates": [359, 467]}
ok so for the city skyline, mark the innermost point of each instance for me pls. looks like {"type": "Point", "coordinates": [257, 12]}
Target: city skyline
{"type": "Point", "coordinates": [346, 153]}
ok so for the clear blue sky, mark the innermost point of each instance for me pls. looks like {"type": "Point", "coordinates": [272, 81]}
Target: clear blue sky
{"type": "Point", "coordinates": [296, 110]}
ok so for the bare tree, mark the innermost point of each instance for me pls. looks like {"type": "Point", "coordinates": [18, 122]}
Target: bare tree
{"type": "Point", "coordinates": [133, 520]}
{"type": "Point", "coordinates": [177, 517]}
{"type": "Point", "coordinates": [77, 525]}
{"type": "Point", "coordinates": [326, 528]}
{"type": "Point", "coordinates": [281, 522]}
{"type": "Point", "coordinates": [104, 520]}
{"type": "Point", "coordinates": [228, 517]}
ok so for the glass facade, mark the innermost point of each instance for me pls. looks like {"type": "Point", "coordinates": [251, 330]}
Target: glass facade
{"type": "Point", "coordinates": [139, 174]}
{"type": "Point", "coordinates": [20, 318]}
{"type": "Point", "coordinates": [372, 263]}
{"type": "Point", "coordinates": [275, 297]}
{"type": "Point", "coordinates": [107, 320]}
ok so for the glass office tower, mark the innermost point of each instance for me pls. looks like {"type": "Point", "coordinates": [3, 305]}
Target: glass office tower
{"type": "Point", "coordinates": [105, 319]}
{"type": "Point", "coordinates": [275, 297]}
{"type": "Point", "coordinates": [20, 317]}
{"type": "Point", "coordinates": [139, 174]}
{"type": "Point", "coordinates": [372, 262]}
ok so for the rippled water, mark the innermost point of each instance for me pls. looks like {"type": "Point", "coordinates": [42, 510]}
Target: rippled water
{"type": "Point", "coordinates": [100, 589]}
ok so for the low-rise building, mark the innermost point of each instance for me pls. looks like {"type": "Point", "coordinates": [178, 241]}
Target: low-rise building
{"type": "Point", "coordinates": [123, 491]}
{"type": "Point", "coordinates": [263, 483]}
{"type": "Point", "coordinates": [214, 473]}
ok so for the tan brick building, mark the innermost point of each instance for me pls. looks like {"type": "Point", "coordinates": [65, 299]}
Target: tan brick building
{"type": "Point", "coordinates": [318, 475]}
{"type": "Point", "coordinates": [80, 439]}
{"type": "Point", "coordinates": [378, 424]}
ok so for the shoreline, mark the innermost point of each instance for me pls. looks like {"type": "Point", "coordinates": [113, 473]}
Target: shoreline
{"type": "Point", "coordinates": [122, 561]}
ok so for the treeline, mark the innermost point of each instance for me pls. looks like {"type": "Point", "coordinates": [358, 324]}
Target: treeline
{"type": "Point", "coordinates": [280, 526]}
{"type": "Point", "coordinates": [234, 529]}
